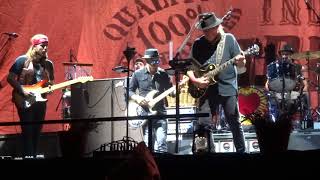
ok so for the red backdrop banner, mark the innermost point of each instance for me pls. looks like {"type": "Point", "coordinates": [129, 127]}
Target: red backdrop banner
{"type": "Point", "coordinates": [98, 31]}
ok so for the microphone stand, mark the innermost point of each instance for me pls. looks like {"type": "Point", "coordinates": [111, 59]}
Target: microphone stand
{"type": "Point", "coordinates": [69, 77]}
{"type": "Point", "coordinates": [309, 6]}
{"type": "Point", "coordinates": [180, 66]}
{"type": "Point", "coordinates": [129, 54]}
{"type": "Point", "coordinates": [5, 44]}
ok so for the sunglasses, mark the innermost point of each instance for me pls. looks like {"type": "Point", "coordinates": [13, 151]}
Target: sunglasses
{"type": "Point", "coordinates": [153, 61]}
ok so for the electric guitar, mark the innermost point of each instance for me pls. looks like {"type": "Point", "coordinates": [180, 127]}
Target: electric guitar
{"type": "Point", "coordinates": [211, 70]}
{"type": "Point", "coordinates": [36, 90]}
{"type": "Point", "coordinates": [136, 110]}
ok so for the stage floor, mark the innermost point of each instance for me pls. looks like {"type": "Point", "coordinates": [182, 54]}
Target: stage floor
{"type": "Point", "coordinates": [63, 144]}
{"type": "Point", "coordinates": [287, 165]}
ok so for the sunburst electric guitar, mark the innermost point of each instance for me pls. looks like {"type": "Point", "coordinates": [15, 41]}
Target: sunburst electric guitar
{"type": "Point", "coordinates": [137, 110]}
{"type": "Point", "coordinates": [211, 70]}
{"type": "Point", "coordinates": [36, 90]}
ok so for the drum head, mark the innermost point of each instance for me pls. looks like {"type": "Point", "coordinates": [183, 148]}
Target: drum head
{"type": "Point", "coordinates": [282, 84]}
{"type": "Point", "coordinates": [282, 76]}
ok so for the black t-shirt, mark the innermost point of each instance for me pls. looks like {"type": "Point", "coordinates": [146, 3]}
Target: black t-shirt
{"type": "Point", "coordinates": [19, 64]}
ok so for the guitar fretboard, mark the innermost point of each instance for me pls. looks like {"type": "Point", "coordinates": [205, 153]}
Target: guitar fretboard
{"type": "Point", "coordinates": [222, 66]}
{"type": "Point", "coordinates": [58, 86]}
{"type": "Point", "coordinates": [166, 93]}
{"type": "Point", "coordinates": [161, 96]}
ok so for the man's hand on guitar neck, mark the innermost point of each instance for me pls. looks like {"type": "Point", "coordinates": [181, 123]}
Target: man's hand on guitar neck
{"type": "Point", "coordinates": [240, 60]}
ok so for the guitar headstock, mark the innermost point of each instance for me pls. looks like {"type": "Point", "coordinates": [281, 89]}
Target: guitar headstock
{"type": "Point", "coordinates": [85, 79]}
{"type": "Point", "coordinates": [253, 50]}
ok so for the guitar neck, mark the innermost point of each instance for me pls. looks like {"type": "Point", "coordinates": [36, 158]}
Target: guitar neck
{"type": "Point", "coordinates": [167, 92]}
{"type": "Point", "coordinates": [223, 66]}
{"type": "Point", "coordinates": [163, 95]}
{"type": "Point", "coordinates": [58, 86]}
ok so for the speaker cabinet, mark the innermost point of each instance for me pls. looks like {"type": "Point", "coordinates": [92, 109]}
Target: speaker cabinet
{"type": "Point", "coordinates": [304, 140]}
{"type": "Point", "coordinates": [102, 98]}
{"type": "Point", "coordinates": [92, 100]}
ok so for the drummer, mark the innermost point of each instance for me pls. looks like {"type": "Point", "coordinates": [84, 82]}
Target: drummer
{"type": "Point", "coordinates": [290, 97]}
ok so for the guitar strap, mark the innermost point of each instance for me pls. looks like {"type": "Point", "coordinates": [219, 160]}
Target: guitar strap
{"type": "Point", "coordinates": [220, 48]}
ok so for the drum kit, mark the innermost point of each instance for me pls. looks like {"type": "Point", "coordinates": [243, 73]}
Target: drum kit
{"type": "Point", "coordinates": [285, 84]}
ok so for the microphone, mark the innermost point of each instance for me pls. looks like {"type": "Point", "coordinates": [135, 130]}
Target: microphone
{"type": "Point", "coordinates": [70, 55]}
{"type": "Point", "coordinates": [14, 35]}
{"type": "Point", "coordinates": [308, 4]}
{"type": "Point", "coordinates": [120, 69]}
{"type": "Point", "coordinates": [227, 14]}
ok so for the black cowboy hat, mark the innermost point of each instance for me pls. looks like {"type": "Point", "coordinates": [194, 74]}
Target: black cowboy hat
{"type": "Point", "coordinates": [286, 48]}
{"type": "Point", "coordinates": [151, 56]}
{"type": "Point", "coordinates": [208, 20]}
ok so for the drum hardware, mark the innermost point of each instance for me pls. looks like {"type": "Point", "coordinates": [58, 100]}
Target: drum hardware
{"type": "Point", "coordinates": [316, 70]}
{"type": "Point", "coordinates": [304, 111]}
{"type": "Point", "coordinates": [282, 76]}
{"type": "Point", "coordinates": [220, 124]}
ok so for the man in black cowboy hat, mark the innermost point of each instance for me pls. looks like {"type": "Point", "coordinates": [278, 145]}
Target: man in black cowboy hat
{"type": "Point", "coordinates": [151, 77]}
{"type": "Point", "coordinates": [287, 92]}
{"type": "Point", "coordinates": [284, 67]}
{"type": "Point", "coordinates": [215, 46]}
{"type": "Point", "coordinates": [286, 51]}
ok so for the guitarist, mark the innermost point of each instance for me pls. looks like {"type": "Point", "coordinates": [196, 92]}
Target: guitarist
{"type": "Point", "coordinates": [151, 77]}
{"type": "Point", "coordinates": [28, 69]}
{"type": "Point", "coordinates": [216, 47]}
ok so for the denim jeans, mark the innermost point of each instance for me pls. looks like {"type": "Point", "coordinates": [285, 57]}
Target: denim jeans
{"type": "Point", "coordinates": [159, 135]}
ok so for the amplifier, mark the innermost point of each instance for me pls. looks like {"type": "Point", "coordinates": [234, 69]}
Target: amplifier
{"type": "Point", "coordinates": [182, 110]}
{"type": "Point", "coordinates": [224, 143]}
{"type": "Point", "coordinates": [185, 124]}
{"type": "Point", "coordinates": [304, 140]}
{"type": "Point", "coordinates": [185, 133]}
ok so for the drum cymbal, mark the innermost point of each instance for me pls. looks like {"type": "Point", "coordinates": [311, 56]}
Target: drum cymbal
{"type": "Point", "coordinates": [306, 55]}
{"type": "Point", "coordinates": [316, 70]}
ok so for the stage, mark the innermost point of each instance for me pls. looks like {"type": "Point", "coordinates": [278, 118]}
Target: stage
{"type": "Point", "coordinates": [77, 145]}
{"type": "Point", "coordinates": [300, 160]}
{"type": "Point", "coordinates": [290, 164]}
